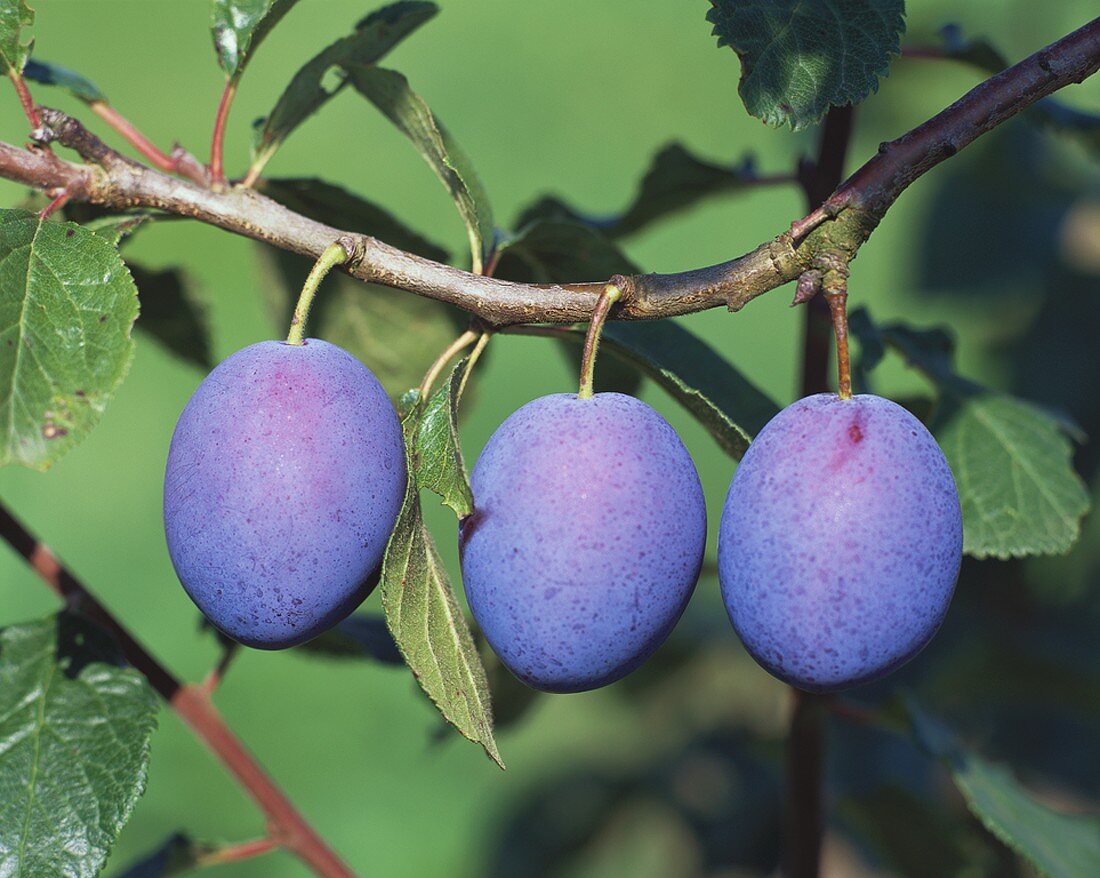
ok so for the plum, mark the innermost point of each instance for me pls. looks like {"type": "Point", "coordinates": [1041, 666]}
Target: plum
{"type": "Point", "coordinates": [586, 539]}
{"type": "Point", "coordinates": [285, 476]}
{"type": "Point", "coordinates": [840, 541]}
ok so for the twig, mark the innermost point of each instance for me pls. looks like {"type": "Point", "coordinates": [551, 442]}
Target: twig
{"type": "Point", "coordinates": [180, 161]}
{"type": "Point", "coordinates": [25, 99]}
{"type": "Point", "coordinates": [191, 703]}
{"type": "Point", "coordinates": [236, 852]}
{"type": "Point", "coordinates": [217, 143]}
{"type": "Point", "coordinates": [858, 205]}
{"type": "Point", "coordinates": [58, 202]}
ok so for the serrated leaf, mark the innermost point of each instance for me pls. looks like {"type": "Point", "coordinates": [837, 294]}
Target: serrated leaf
{"type": "Point", "coordinates": [427, 624]}
{"type": "Point", "coordinates": [173, 315]}
{"type": "Point", "coordinates": [239, 26]}
{"type": "Point", "coordinates": [1013, 466]}
{"type": "Point", "coordinates": [1058, 845]}
{"type": "Point", "coordinates": [389, 91]}
{"type": "Point", "coordinates": [437, 453]}
{"type": "Point", "coordinates": [54, 74]}
{"type": "Point", "coordinates": [74, 747]}
{"type": "Point", "coordinates": [67, 306]}
{"type": "Point", "coordinates": [359, 636]}
{"type": "Point", "coordinates": [800, 57]}
{"type": "Point", "coordinates": [14, 51]}
{"type": "Point", "coordinates": [324, 75]}
{"type": "Point", "coordinates": [675, 180]}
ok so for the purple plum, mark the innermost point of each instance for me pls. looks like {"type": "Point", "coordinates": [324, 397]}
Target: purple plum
{"type": "Point", "coordinates": [284, 479]}
{"type": "Point", "coordinates": [840, 541]}
{"type": "Point", "coordinates": [586, 539]}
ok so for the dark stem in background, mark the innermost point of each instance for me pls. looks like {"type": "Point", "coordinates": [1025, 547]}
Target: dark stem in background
{"type": "Point", "coordinates": [806, 739]}
{"type": "Point", "coordinates": [286, 827]}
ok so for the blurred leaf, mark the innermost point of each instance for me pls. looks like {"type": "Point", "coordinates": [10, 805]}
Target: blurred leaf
{"type": "Point", "coordinates": [67, 305]}
{"type": "Point", "coordinates": [389, 91]}
{"type": "Point", "coordinates": [1012, 460]}
{"type": "Point", "coordinates": [176, 856]}
{"type": "Point", "coordinates": [335, 206]}
{"type": "Point", "coordinates": [676, 180]}
{"type": "Point", "coordinates": [173, 314]}
{"type": "Point", "coordinates": [116, 228]}
{"type": "Point", "coordinates": [1057, 845]}
{"type": "Point", "coordinates": [14, 51]}
{"type": "Point", "coordinates": [54, 74]}
{"type": "Point", "coordinates": [74, 746]}
{"type": "Point", "coordinates": [427, 624]}
{"type": "Point", "coordinates": [239, 26]}
{"type": "Point", "coordinates": [800, 57]}
{"type": "Point", "coordinates": [359, 636]}
{"type": "Point", "coordinates": [557, 251]}
{"type": "Point", "coordinates": [322, 78]}
{"type": "Point", "coordinates": [437, 454]}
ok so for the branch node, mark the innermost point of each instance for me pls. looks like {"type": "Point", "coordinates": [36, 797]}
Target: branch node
{"type": "Point", "coordinates": [64, 129]}
{"type": "Point", "coordinates": [809, 284]}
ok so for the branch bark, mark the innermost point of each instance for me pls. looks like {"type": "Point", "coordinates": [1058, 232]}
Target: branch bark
{"type": "Point", "coordinates": [842, 223]}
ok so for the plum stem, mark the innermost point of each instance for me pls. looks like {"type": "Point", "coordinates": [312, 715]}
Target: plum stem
{"type": "Point", "coordinates": [610, 295]}
{"type": "Point", "coordinates": [835, 287]}
{"type": "Point", "coordinates": [463, 341]}
{"type": "Point", "coordinates": [334, 254]}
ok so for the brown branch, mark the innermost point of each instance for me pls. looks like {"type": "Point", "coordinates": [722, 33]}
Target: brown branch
{"type": "Point", "coordinates": [191, 703]}
{"type": "Point", "coordinates": [847, 218]}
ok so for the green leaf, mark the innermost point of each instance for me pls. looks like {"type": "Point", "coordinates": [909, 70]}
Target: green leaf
{"type": "Point", "coordinates": [437, 453]}
{"type": "Point", "coordinates": [359, 636]}
{"type": "Point", "coordinates": [675, 180]}
{"type": "Point", "coordinates": [117, 227]}
{"type": "Point", "coordinates": [800, 57]}
{"type": "Point", "coordinates": [54, 74]}
{"type": "Point", "coordinates": [1057, 845]}
{"type": "Point", "coordinates": [67, 305]}
{"type": "Point", "coordinates": [324, 76]}
{"type": "Point", "coordinates": [389, 91]}
{"type": "Point", "coordinates": [1013, 465]}
{"type": "Point", "coordinates": [75, 728]}
{"type": "Point", "coordinates": [426, 622]}
{"type": "Point", "coordinates": [173, 315]}
{"type": "Point", "coordinates": [14, 51]}
{"type": "Point", "coordinates": [239, 26]}
{"type": "Point", "coordinates": [176, 856]}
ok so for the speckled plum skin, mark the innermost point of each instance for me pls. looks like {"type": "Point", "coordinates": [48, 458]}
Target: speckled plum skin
{"type": "Point", "coordinates": [586, 539]}
{"type": "Point", "coordinates": [285, 476]}
{"type": "Point", "coordinates": [840, 541]}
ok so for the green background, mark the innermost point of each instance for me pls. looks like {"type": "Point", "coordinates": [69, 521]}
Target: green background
{"type": "Point", "coordinates": [563, 96]}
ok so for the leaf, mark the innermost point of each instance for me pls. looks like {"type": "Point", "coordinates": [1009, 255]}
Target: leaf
{"type": "Point", "coordinates": [437, 454]}
{"type": "Point", "coordinates": [389, 91]}
{"type": "Point", "coordinates": [14, 51]}
{"type": "Point", "coordinates": [800, 57]}
{"type": "Point", "coordinates": [75, 727]}
{"type": "Point", "coordinates": [1058, 845]}
{"type": "Point", "coordinates": [239, 26]}
{"type": "Point", "coordinates": [426, 622]}
{"type": "Point", "coordinates": [67, 305]}
{"type": "Point", "coordinates": [176, 856]}
{"type": "Point", "coordinates": [322, 78]}
{"type": "Point", "coordinates": [173, 315]}
{"type": "Point", "coordinates": [117, 227]}
{"type": "Point", "coordinates": [359, 636]}
{"type": "Point", "coordinates": [1013, 466]}
{"type": "Point", "coordinates": [54, 74]}
{"type": "Point", "coordinates": [676, 180]}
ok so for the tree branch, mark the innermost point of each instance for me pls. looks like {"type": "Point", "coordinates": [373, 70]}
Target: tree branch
{"type": "Point", "coordinates": [191, 703]}
{"type": "Point", "coordinates": [842, 224]}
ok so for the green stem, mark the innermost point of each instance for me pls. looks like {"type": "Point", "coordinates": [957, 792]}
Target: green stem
{"type": "Point", "coordinates": [610, 295]}
{"type": "Point", "coordinates": [467, 338]}
{"type": "Point", "coordinates": [333, 255]}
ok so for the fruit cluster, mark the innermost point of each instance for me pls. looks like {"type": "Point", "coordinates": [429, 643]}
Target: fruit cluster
{"type": "Point", "coordinates": [838, 549]}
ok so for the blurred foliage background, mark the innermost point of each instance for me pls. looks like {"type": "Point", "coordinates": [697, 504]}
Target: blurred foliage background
{"type": "Point", "coordinates": [675, 771]}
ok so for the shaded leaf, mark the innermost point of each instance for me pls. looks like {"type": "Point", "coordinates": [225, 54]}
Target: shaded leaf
{"type": "Point", "coordinates": [75, 727]}
{"type": "Point", "coordinates": [116, 228]}
{"type": "Point", "coordinates": [176, 856]}
{"type": "Point", "coordinates": [427, 623]}
{"type": "Point", "coordinates": [359, 636]}
{"type": "Point", "coordinates": [675, 180]}
{"type": "Point", "coordinates": [389, 91]}
{"type": "Point", "coordinates": [1058, 845]}
{"type": "Point", "coordinates": [14, 50]}
{"type": "Point", "coordinates": [437, 453]}
{"type": "Point", "coordinates": [239, 26]}
{"type": "Point", "coordinates": [54, 74]}
{"type": "Point", "coordinates": [173, 315]}
{"type": "Point", "coordinates": [800, 57]}
{"type": "Point", "coordinates": [67, 305]}
{"type": "Point", "coordinates": [324, 76]}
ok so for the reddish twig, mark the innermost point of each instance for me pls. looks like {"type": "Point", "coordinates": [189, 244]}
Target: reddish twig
{"type": "Point", "coordinates": [217, 143]}
{"type": "Point", "coordinates": [237, 852]}
{"type": "Point", "coordinates": [287, 826]}
{"type": "Point", "coordinates": [58, 202]}
{"type": "Point", "coordinates": [25, 99]}
{"type": "Point", "coordinates": [178, 162]}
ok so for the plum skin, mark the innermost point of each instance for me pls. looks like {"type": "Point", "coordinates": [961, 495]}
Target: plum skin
{"type": "Point", "coordinates": [840, 541]}
{"type": "Point", "coordinates": [284, 479]}
{"type": "Point", "coordinates": [586, 540]}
